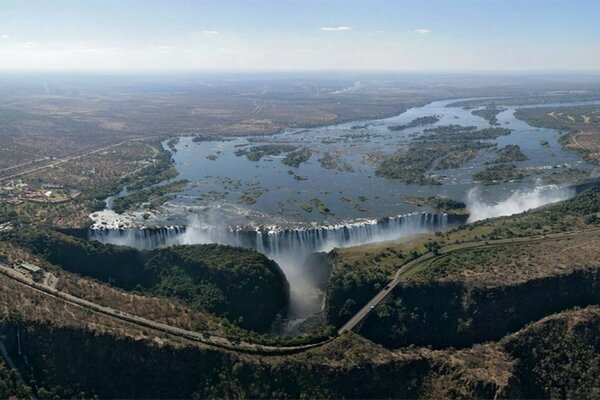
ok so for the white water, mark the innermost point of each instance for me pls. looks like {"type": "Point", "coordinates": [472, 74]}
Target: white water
{"type": "Point", "coordinates": [518, 202]}
{"type": "Point", "coordinates": [289, 248]}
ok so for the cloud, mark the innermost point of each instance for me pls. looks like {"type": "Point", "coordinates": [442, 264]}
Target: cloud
{"type": "Point", "coordinates": [335, 28]}
{"type": "Point", "coordinates": [422, 31]}
{"type": "Point", "coordinates": [4, 36]}
{"type": "Point", "coordinates": [210, 32]}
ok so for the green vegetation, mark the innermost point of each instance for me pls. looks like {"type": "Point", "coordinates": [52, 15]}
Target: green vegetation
{"type": "Point", "coordinates": [210, 138]}
{"type": "Point", "coordinates": [567, 176]}
{"type": "Point", "coordinates": [464, 133]}
{"type": "Point", "coordinates": [332, 160]}
{"type": "Point", "coordinates": [353, 282]}
{"type": "Point", "coordinates": [544, 143]}
{"type": "Point", "coordinates": [162, 169]}
{"type": "Point", "coordinates": [565, 118]}
{"type": "Point", "coordinates": [498, 173]}
{"type": "Point", "coordinates": [10, 388]}
{"type": "Point", "coordinates": [558, 357]}
{"type": "Point", "coordinates": [172, 144]}
{"type": "Point", "coordinates": [156, 196]}
{"type": "Point", "coordinates": [124, 367]}
{"type": "Point", "coordinates": [473, 295]}
{"type": "Point", "coordinates": [421, 121]}
{"type": "Point", "coordinates": [359, 273]}
{"type": "Point", "coordinates": [306, 207]}
{"type": "Point", "coordinates": [509, 153]}
{"type": "Point", "coordinates": [489, 113]}
{"type": "Point", "coordinates": [255, 153]}
{"type": "Point", "coordinates": [552, 358]}
{"type": "Point", "coordinates": [440, 203]}
{"type": "Point", "coordinates": [410, 166]}
{"type": "Point", "coordinates": [446, 204]}
{"type": "Point", "coordinates": [502, 169]}
{"type": "Point", "coordinates": [460, 156]}
{"type": "Point", "coordinates": [449, 145]}
{"type": "Point", "coordinates": [295, 158]}
{"type": "Point", "coordinates": [580, 125]}
{"type": "Point", "coordinates": [320, 206]}
{"type": "Point", "coordinates": [250, 196]}
{"type": "Point", "coordinates": [239, 284]}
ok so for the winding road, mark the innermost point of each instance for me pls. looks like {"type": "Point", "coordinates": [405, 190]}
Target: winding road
{"type": "Point", "coordinates": [256, 348]}
{"type": "Point", "coordinates": [359, 317]}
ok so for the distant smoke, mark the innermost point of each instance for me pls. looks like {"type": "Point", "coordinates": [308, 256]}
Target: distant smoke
{"type": "Point", "coordinates": [518, 202]}
{"type": "Point", "coordinates": [356, 86]}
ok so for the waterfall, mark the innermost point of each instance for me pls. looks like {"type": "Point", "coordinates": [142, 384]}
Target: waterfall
{"type": "Point", "coordinates": [273, 241]}
{"type": "Point", "coordinates": [288, 247]}
{"type": "Point", "coordinates": [141, 238]}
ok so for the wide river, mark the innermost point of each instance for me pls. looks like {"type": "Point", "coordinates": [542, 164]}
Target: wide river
{"type": "Point", "coordinates": [230, 196]}
{"type": "Point", "coordinates": [352, 190]}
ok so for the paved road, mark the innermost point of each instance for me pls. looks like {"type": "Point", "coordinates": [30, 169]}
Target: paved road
{"type": "Point", "coordinates": [207, 339]}
{"type": "Point", "coordinates": [74, 157]}
{"type": "Point", "coordinates": [428, 257]}
{"type": "Point", "coordinates": [248, 347]}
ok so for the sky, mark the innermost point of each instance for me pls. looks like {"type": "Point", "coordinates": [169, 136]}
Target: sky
{"type": "Point", "coordinates": [286, 35]}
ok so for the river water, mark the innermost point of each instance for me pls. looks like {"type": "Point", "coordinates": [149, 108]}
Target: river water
{"type": "Point", "coordinates": [284, 222]}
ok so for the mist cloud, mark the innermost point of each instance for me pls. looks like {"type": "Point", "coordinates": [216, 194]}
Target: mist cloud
{"type": "Point", "coordinates": [517, 202]}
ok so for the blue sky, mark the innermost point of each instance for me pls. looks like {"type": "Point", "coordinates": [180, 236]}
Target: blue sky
{"type": "Point", "coordinates": [299, 35]}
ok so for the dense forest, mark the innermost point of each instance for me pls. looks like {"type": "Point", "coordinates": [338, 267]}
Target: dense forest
{"type": "Point", "coordinates": [240, 284]}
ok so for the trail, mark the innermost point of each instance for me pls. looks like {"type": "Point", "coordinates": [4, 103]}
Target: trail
{"type": "Point", "coordinates": [257, 348]}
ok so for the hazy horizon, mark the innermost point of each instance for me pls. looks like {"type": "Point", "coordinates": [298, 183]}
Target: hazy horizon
{"type": "Point", "coordinates": [291, 36]}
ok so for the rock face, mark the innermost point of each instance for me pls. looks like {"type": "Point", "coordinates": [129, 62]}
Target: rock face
{"type": "Point", "coordinates": [74, 353]}
{"type": "Point", "coordinates": [555, 357]}
{"type": "Point", "coordinates": [240, 284]}
{"type": "Point", "coordinates": [443, 314]}
{"type": "Point", "coordinates": [559, 356]}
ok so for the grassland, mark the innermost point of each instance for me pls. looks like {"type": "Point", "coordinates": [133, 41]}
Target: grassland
{"type": "Point", "coordinates": [552, 357]}
{"type": "Point", "coordinates": [359, 273]}
{"type": "Point", "coordinates": [496, 265]}
{"type": "Point", "coordinates": [580, 126]}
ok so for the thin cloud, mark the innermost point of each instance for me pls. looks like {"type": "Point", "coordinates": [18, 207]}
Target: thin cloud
{"type": "Point", "coordinates": [423, 31]}
{"type": "Point", "coordinates": [335, 28]}
{"type": "Point", "coordinates": [210, 32]}
{"type": "Point", "coordinates": [4, 36]}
